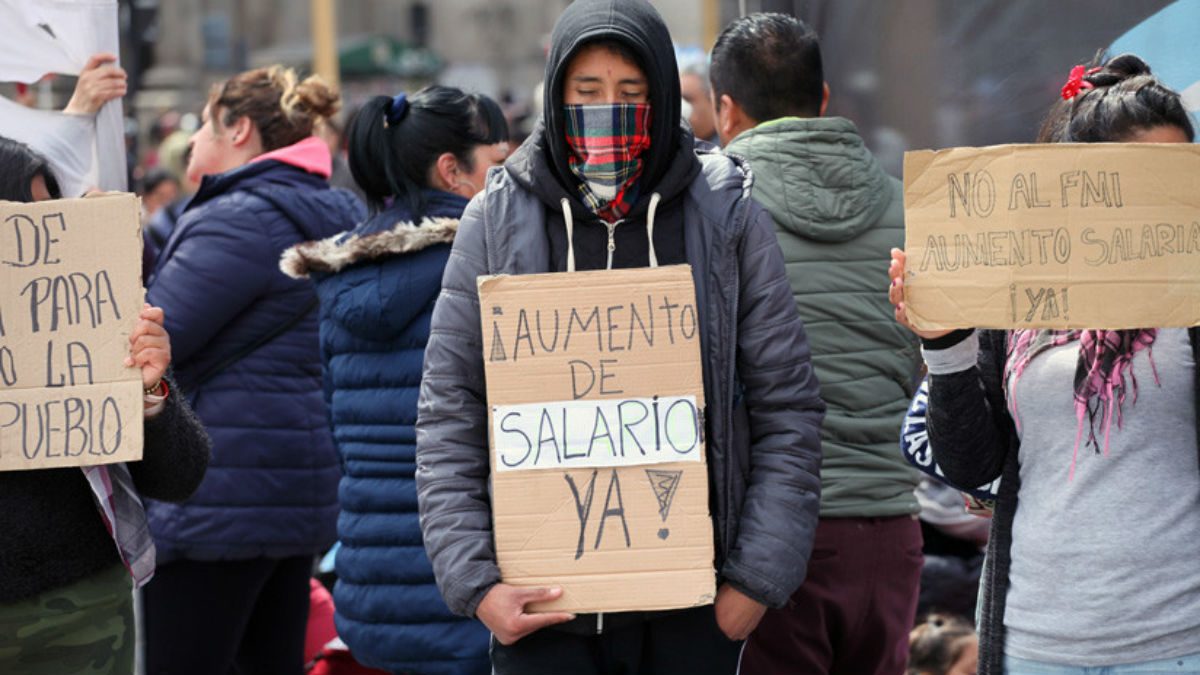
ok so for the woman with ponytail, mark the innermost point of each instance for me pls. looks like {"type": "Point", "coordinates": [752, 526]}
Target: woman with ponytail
{"type": "Point", "coordinates": [418, 159]}
{"type": "Point", "coordinates": [231, 592]}
{"type": "Point", "coordinates": [1094, 435]}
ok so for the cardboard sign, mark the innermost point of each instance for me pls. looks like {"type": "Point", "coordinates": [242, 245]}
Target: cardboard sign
{"type": "Point", "coordinates": [596, 420]}
{"type": "Point", "coordinates": [1094, 235]}
{"type": "Point", "coordinates": [70, 294]}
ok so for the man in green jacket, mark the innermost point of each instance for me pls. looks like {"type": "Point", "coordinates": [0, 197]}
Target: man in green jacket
{"type": "Point", "coordinates": [837, 216]}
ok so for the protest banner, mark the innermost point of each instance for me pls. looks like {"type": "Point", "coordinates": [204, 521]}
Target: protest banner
{"type": "Point", "coordinates": [1095, 235]}
{"type": "Point", "coordinates": [42, 38]}
{"type": "Point", "coordinates": [70, 294]}
{"type": "Point", "coordinates": [596, 418]}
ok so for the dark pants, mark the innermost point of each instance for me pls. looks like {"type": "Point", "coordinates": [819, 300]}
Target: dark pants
{"type": "Point", "coordinates": [241, 617]}
{"type": "Point", "coordinates": [855, 609]}
{"type": "Point", "coordinates": [687, 642]}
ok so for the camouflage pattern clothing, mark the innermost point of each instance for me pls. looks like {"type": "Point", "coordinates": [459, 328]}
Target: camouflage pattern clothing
{"type": "Point", "coordinates": [84, 628]}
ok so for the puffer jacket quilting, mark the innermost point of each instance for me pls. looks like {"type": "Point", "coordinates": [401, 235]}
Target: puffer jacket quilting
{"type": "Point", "coordinates": [271, 486]}
{"type": "Point", "coordinates": [763, 405]}
{"type": "Point", "coordinates": [378, 287]}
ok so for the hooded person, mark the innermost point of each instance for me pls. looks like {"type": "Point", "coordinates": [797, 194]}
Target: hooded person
{"type": "Point", "coordinates": [610, 179]}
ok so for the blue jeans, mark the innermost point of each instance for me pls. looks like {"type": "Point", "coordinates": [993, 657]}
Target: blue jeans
{"type": "Point", "coordinates": [1175, 666]}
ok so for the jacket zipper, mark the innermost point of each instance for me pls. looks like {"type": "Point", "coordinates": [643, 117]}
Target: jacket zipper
{"type": "Point", "coordinates": [599, 623]}
{"type": "Point", "coordinates": [612, 240]}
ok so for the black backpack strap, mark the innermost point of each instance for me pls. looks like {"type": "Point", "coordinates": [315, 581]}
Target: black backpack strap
{"type": "Point", "coordinates": [215, 369]}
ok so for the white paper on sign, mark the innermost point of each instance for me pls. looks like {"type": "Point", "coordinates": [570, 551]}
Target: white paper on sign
{"type": "Point", "coordinates": [596, 433]}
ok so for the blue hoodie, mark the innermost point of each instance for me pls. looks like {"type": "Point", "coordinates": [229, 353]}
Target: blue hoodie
{"type": "Point", "coordinates": [271, 487]}
{"type": "Point", "coordinates": [378, 287]}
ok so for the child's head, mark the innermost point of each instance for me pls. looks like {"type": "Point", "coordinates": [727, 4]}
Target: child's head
{"type": "Point", "coordinates": [943, 645]}
{"type": "Point", "coordinates": [1118, 102]}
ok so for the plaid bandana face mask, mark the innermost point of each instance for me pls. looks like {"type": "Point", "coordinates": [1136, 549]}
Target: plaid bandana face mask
{"type": "Point", "coordinates": [607, 143]}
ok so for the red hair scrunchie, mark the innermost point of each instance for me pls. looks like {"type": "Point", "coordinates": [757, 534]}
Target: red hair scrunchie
{"type": "Point", "coordinates": [1076, 83]}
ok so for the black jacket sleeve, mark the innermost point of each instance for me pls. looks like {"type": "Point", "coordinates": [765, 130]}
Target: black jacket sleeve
{"type": "Point", "coordinates": [970, 430]}
{"type": "Point", "coordinates": [783, 402]}
{"type": "Point", "coordinates": [175, 454]}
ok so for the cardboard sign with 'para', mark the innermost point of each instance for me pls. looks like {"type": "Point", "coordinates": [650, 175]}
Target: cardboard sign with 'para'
{"type": "Point", "coordinates": [70, 293]}
{"type": "Point", "coordinates": [1096, 235]}
{"type": "Point", "coordinates": [596, 420]}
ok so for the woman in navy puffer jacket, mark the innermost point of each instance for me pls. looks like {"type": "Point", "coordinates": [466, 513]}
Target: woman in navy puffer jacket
{"type": "Point", "coordinates": [418, 160]}
{"type": "Point", "coordinates": [231, 592]}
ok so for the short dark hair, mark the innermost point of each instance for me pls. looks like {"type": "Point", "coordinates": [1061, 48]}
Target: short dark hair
{"type": "Point", "coordinates": [770, 64]}
{"type": "Point", "coordinates": [1124, 98]}
{"type": "Point", "coordinates": [19, 165]}
{"type": "Point", "coordinates": [392, 160]}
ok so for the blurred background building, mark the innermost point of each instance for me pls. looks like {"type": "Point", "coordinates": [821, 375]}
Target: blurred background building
{"type": "Point", "coordinates": [910, 73]}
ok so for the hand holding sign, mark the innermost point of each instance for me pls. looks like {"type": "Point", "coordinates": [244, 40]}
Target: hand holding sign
{"type": "Point", "coordinates": [503, 611]}
{"type": "Point", "coordinates": [150, 346]}
{"type": "Point", "coordinates": [896, 296]}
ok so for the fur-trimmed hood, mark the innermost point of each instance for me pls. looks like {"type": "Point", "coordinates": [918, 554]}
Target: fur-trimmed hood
{"type": "Point", "coordinates": [333, 254]}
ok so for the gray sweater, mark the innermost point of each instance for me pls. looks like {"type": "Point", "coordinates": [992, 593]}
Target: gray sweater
{"type": "Point", "coordinates": [975, 441]}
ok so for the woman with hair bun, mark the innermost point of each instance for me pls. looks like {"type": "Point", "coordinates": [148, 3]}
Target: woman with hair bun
{"type": "Point", "coordinates": [418, 159]}
{"type": "Point", "coordinates": [1091, 562]}
{"type": "Point", "coordinates": [231, 593]}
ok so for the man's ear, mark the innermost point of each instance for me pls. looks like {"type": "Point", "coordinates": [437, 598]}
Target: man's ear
{"type": "Point", "coordinates": [730, 118]}
{"type": "Point", "coordinates": [824, 99]}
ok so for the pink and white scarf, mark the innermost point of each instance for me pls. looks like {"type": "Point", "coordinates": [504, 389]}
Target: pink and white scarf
{"type": "Point", "coordinates": [1105, 356]}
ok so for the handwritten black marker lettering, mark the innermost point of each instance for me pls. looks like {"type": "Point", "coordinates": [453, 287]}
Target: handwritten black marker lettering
{"type": "Point", "coordinates": [624, 425]}
{"type": "Point", "coordinates": [600, 421]}
{"type": "Point", "coordinates": [687, 321]}
{"type": "Point", "coordinates": [109, 407]}
{"type": "Point", "coordinates": [523, 333]}
{"type": "Point", "coordinates": [612, 327]}
{"type": "Point", "coordinates": [1025, 188]}
{"type": "Point", "coordinates": [583, 327]}
{"type": "Point", "coordinates": [546, 434]}
{"type": "Point", "coordinates": [669, 307]}
{"type": "Point", "coordinates": [583, 508]}
{"type": "Point", "coordinates": [693, 426]}
{"type": "Point", "coordinates": [635, 318]}
{"type": "Point", "coordinates": [78, 358]}
{"type": "Point", "coordinates": [541, 337]}
{"type": "Point", "coordinates": [8, 367]}
{"type": "Point", "coordinates": [515, 430]}
{"type": "Point", "coordinates": [498, 352]}
{"type": "Point", "coordinates": [605, 375]}
{"type": "Point", "coordinates": [614, 484]}
{"type": "Point", "coordinates": [580, 368]}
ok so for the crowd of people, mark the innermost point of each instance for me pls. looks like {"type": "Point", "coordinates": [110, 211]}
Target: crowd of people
{"type": "Point", "coordinates": [311, 352]}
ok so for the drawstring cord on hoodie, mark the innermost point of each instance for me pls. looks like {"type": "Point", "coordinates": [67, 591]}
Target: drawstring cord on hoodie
{"type": "Point", "coordinates": [654, 199]}
{"type": "Point", "coordinates": [569, 220]}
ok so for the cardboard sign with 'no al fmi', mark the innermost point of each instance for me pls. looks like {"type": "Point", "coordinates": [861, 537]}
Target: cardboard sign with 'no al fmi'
{"type": "Point", "coordinates": [1095, 235]}
{"type": "Point", "coordinates": [596, 427]}
{"type": "Point", "coordinates": [70, 293]}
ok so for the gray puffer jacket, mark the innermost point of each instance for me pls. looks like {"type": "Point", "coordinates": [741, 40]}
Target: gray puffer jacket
{"type": "Point", "coordinates": [764, 407]}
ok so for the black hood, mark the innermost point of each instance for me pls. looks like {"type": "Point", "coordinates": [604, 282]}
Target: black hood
{"type": "Point", "coordinates": [638, 25]}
